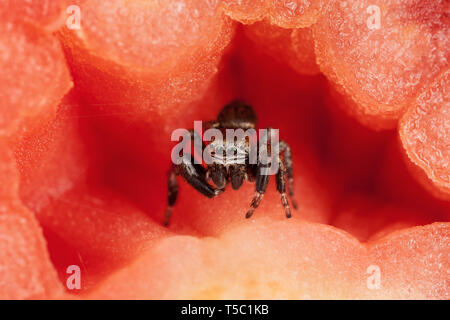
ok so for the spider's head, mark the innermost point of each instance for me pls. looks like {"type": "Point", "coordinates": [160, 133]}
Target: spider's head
{"type": "Point", "coordinates": [228, 160]}
{"type": "Point", "coordinates": [228, 153]}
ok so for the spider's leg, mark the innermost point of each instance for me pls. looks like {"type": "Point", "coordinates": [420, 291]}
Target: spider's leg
{"type": "Point", "coordinates": [261, 185]}
{"type": "Point", "coordinates": [261, 182]}
{"type": "Point", "coordinates": [262, 176]}
{"type": "Point", "coordinates": [195, 135]}
{"type": "Point", "coordinates": [281, 187]}
{"type": "Point", "coordinates": [172, 195]}
{"type": "Point", "coordinates": [195, 175]}
{"type": "Point", "coordinates": [287, 162]}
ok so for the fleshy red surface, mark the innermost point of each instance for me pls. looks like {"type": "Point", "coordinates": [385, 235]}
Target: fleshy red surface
{"type": "Point", "coordinates": [26, 270]}
{"type": "Point", "coordinates": [293, 46]}
{"type": "Point", "coordinates": [425, 133]}
{"type": "Point", "coordinates": [286, 14]}
{"type": "Point", "coordinates": [44, 14]}
{"type": "Point", "coordinates": [383, 69]}
{"type": "Point", "coordinates": [34, 73]}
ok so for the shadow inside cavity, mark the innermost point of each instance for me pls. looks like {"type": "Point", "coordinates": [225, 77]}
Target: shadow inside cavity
{"type": "Point", "coordinates": [307, 114]}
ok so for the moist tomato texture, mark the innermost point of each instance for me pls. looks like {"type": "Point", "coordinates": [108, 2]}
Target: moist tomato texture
{"type": "Point", "coordinates": [86, 117]}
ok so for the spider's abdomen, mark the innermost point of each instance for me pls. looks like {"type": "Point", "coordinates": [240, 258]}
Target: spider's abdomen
{"type": "Point", "coordinates": [236, 115]}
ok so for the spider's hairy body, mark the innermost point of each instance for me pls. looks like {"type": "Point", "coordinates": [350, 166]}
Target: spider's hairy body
{"type": "Point", "coordinates": [231, 161]}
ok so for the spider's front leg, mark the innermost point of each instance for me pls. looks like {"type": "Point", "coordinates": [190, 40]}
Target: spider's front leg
{"type": "Point", "coordinates": [195, 175]}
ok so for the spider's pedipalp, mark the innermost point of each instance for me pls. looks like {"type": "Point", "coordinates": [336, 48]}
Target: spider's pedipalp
{"type": "Point", "coordinates": [237, 175]}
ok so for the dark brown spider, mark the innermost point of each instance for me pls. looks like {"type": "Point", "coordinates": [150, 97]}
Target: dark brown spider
{"type": "Point", "coordinates": [224, 167]}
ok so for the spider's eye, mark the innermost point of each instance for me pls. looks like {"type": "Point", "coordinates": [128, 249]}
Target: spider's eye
{"type": "Point", "coordinates": [220, 149]}
{"type": "Point", "coordinates": [232, 150]}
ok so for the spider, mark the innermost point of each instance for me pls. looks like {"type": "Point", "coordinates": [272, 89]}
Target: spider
{"type": "Point", "coordinates": [224, 169]}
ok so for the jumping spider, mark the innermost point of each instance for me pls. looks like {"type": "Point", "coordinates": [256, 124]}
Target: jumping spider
{"type": "Point", "coordinates": [224, 170]}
